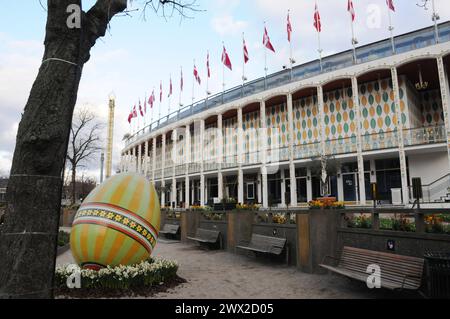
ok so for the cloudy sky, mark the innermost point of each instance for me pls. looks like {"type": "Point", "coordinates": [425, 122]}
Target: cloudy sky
{"type": "Point", "coordinates": [137, 53]}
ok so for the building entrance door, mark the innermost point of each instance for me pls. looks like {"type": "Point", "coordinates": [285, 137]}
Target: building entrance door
{"type": "Point", "coordinates": [350, 181]}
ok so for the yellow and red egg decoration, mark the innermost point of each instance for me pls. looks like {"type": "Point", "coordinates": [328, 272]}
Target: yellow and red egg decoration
{"type": "Point", "coordinates": [117, 224]}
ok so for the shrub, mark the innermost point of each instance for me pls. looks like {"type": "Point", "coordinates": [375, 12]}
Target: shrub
{"type": "Point", "coordinates": [63, 238]}
{"type": "Point", "coordinates": [361, 221]}
{"type": "Point", "coordinates": [145, 274]}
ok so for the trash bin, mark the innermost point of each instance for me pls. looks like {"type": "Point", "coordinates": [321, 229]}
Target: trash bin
{"type": "Point", "coordinates": [438, 274]}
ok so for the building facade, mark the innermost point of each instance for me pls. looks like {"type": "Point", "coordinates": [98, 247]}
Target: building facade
{"type": "Point", "coordinates": [321, 129]}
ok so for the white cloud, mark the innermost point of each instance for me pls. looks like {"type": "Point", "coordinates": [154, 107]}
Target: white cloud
{"type": "Point", "coordinates": [227, 25]}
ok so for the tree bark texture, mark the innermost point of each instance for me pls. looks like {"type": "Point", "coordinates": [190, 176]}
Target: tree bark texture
{"type": "Point", "coordinates": [28, 236]}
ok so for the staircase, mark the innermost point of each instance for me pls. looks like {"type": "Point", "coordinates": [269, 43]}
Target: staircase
{"type": "Point", "coordinates": [438, 191]}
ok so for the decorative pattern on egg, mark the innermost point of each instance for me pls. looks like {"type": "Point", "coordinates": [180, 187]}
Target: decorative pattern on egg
{"type": "Point", "coordinates": [117, 224]}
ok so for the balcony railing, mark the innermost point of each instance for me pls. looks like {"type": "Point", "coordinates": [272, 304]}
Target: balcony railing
{"type": "Point", "coordinates": [386, 140]}
{"type": "Point", "coordinates": [370, 142]}
{"type": "Point", "coordinates": [424, 135]}
{"type": "Point", "coordinates": [307, 150]}
{"type": "Point", "coordinates": [341, 146]}
{"type": "Point", "coordinates": [382, 49]}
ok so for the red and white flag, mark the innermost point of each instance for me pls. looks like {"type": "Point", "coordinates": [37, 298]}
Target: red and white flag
{"type": "Point", "coordinates": [390, 4]}
{"type": "Point", "coordinates": [246, 56]}
{"type": "Point", "coordinates": [181, 81]}
{"type": "Point", "coordinates": [208, 67]}
{"type": "Point", "coordinates": [197, 76]}
{"type": "Point", "coordinates": [140, 109]}
{"type": "Point", "coordinates": [226, 59]}
{"type": "Point", "coordinates": [351, 9]}
{"type": "Point", "coordinates": [317, 22]}
{"type": "Point", "coordinates": [145, 104]}
{"type": "Point", "coordinates": [135, 115]}
{"type": "Point", "coordinates": [289, 28]}
{"type": "Point", "coordinates": [160, 92]}
{"type": "Point", "coordinates": [266, 40]}
{"type": "Point", "coordinates": [170, 88]}
{"type": "Point", "coordinates": [130, 116]}
{"type": "Point", "coordinates": [151, 99]}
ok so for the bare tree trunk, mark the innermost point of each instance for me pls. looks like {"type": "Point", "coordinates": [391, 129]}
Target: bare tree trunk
{"type": "Point", "coordinates": [28, 237]}
{"type": "Point", "coordinates": [74, 175]}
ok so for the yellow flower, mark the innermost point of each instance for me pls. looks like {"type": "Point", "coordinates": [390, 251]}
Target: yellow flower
{"type": "Point", "coordinates": [110, 216]}
{"type": "Point", "coordinates": [139, 229]}
{"type": "Point", "coordinates": [145, 232]}
{"type": "Point", "coordinates": [133, 225]}
{"type": "Point", "coordinates": [118, 218]}
{"type": "Point", "coordinates": [126, 221]}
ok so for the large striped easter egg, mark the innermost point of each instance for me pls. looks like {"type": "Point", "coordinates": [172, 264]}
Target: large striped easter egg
{"type": "Point", "coordinates": [117, 224]}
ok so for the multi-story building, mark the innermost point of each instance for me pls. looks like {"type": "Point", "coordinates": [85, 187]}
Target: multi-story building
{"type": "Point", "coordinates": [333, 127]}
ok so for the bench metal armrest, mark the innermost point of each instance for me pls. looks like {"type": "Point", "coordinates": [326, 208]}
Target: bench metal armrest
{"type": "Point", "coordinates": [330, 257]}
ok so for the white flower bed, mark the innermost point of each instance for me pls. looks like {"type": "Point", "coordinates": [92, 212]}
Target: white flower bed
{"type": "Point", "coordinates": [145, 274]}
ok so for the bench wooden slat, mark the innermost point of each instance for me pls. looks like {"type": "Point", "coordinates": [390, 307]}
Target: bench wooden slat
{"type": "Point", "coordinates": [206, 236]}
{"type": "Point", "coordinates": [265, 244]}
{"type": "Point", "coordinates": [397, 271]}
{"type": "Point", "coordinates": [170, 229]}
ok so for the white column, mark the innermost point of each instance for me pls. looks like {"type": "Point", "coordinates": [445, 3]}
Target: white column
{"type": "Point", "coordinates": [443, 80]}
{"type": "Point", "coordinates": [340, 184]}
{"type": "Point", "coordinates": [139, 159]}
{"type": "Point", "coordinates": [264, 199]}
{"type": "Point", "coordinates": [175, 161]}
{"type": "Point", "coordinates": [259, 189]}
{"type": "Point", "coordinates": [186, 192]}
{"type": "Point", "coordinates": [401, 147]}
{"type": "Point", "coordinates": [265, 191]}
{"type": "Point", "coordinates": [133, 156]}
{"type": "Point", "coordinates": [146, 159]}
{"type": "Point", "coordinates": [283, 188]}
{"type": "Point", "coordinates": [321, 119]}
{"type": "Point", "coordinates": [202, 168]}
{"type": "Point", "coordinates": [154, 159]}
{"type": "Point", "coordinates": [220, 155]}
{"type": "Point", "coordinates": [358, 117]}
{"type": "Point", "coordinates": [309, 194]}
{"type": "Point", "coordinates": [163, 160]}
{"type": "Point", "coordinates": [240, 154]}
{"type": "Point", "coordinates": [293, 195]}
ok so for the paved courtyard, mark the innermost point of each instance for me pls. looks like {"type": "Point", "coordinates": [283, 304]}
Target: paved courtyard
{"type": "Point", "coordinates": [222, 275]}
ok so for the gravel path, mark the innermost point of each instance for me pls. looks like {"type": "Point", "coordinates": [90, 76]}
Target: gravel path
{"type": "Point", "coordinates": [222, 275]}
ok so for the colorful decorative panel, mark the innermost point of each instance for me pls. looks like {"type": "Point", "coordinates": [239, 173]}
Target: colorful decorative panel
{"type": "Point", "coordinates": [306, 121]}
{"type": "Point", "coordinates": [378, 106]}
{"type": "Point", "coordinates": [431, 108]}
{"type": "Point", "coordinates": [277, 126]}
{"type": "Point", "coordinates": [211, 142]}
{"type": "Point", "coordinates": [250, 126]}
{"type": "Point", "coordinates": [339, 114]}
{"type": "Point", "coordinates": [230, 137]}
{"type": "Point", "coordinates": [196, 153]}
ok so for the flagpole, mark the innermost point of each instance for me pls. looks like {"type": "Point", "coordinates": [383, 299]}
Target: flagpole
{"type": "Point", "coordinates": [291, 60]}
{"type": "Point", "coordinates": [391, 30]}
{"type": "Point", "coordinates": [170, 97]}
{"type": "Point", "coordinates": [435, 20]}
{"type": "Point", "coordinates": [145, 110]}
{"type": "Point", "coordinates": [193, 85]}
{"type": "Point", "coordinates": [223, 75]}
{"type": "Point", "coordinates": [318, 38]}
{"type": "Point", "coordinates": [243, 63]}
{"type": "Point", "coordinates": [265, 62]}
{"type": "Point", "coordinates": [207, 78]}
{"type": "Point", "coordinates": [354, 41]}
{"type": "Point", "coordinates": [181, 89]}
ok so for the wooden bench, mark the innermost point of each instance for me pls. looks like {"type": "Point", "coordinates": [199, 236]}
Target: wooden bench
{"type": "Point", "coordinates": [207, 236]}
{"type": "Point", "coordinates": [397, 271]}
{"type": "Point", "coordinates": [170, 230]}
{"type": "Point", "coordinates": [266, 245]}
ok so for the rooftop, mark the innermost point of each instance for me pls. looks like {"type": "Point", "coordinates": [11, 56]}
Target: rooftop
{"type": "Point", "coordinates": [403, 43]}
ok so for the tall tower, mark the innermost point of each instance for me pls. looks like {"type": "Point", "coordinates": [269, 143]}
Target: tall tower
{"type": "Point", "coordinates": [109, 146]}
